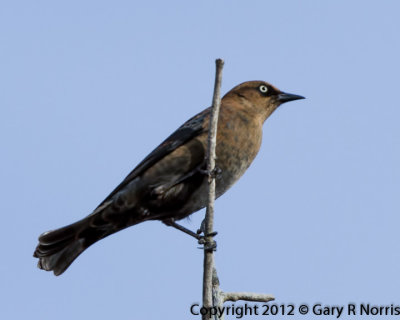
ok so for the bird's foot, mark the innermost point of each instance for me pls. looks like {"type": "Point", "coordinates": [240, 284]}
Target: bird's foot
{"type": "Point", "coordinates": [202, 228]}
{"type": "Point", "coordinates": [213, 174]}
{"type": "Point", "coordinates": [199, 235]}
{"type": "Point", "coordinates": [208, 245]}
{"type": "Point", "coordinates": [207, 239]}
{"type": "Point", "coordinates": [211, 246]}
{"type": "Point", "coordinates": [170, 222]}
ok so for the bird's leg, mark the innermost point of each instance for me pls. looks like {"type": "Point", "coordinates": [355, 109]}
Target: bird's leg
{"type": "Point", "coordinates": [198, 235]}
{"type": "Point", "coordinates": [171, 223]}
{"type": "Point", "coordinates": [201, 230]}
{"type": "Point", "coordinates": [203, 227]}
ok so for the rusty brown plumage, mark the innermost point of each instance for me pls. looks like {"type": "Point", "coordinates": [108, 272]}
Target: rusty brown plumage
{"type": "Point", "coordinates": [170, 182]}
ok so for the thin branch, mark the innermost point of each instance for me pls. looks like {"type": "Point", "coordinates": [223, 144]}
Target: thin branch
{"type": "Point", "coordinates": [247, 296]}
{"type": "Point", "coordinates": [212, 294]}
{"type": "Point", "coordinates": [209, 218]}
{"type": "Point", "coordinates": [217, 296]}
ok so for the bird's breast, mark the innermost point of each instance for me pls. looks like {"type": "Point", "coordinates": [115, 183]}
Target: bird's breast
{"type": "Point", "coordinates": [238, 142]}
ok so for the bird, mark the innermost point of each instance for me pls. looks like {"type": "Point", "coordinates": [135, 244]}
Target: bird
{"type": "Point", "coordinates": [170, 183]}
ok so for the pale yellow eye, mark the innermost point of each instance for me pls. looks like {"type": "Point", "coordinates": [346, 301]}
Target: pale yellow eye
{"type": "Point", "coordinates": [263, 88]}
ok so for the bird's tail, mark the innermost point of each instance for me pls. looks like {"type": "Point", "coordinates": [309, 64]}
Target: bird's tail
{"type": "Point", "coordinates": [57, 249]}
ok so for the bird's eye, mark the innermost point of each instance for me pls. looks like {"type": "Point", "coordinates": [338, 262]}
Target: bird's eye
{"type": "Point", "coordinates": [263, 88]}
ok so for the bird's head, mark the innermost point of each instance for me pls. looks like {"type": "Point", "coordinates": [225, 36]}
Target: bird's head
{"type": "Point", "coordinates": [259, 97]}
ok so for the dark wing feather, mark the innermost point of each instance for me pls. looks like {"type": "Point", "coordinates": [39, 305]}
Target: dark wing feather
{"type": "Point", "coordinates": [190, 129]}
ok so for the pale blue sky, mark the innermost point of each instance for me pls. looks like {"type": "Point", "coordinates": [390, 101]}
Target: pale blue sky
{"type": "Point", "coordinates": [88, 88]}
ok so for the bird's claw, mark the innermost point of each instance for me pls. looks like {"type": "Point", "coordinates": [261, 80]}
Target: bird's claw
{"type": "Point", "coordinates": [209, 246]}
{"type": "Point", "coordinates": [211, 234]}
{"type": "Point", "coordinates": [201, 231]}
{"type": "Point", "coordinates": [216, 172]}
{"type": "Point", "coordinates": [202, 237]}
{"type": "Point", "coordinates": [213, 174]}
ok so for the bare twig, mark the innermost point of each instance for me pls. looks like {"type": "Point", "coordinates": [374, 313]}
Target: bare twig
{"type": "Point", "coordinates": [212, 294]}
{"type": "Point", "coordinates": [248, 296]}
{"type": "Point", "coordinates": [209, 219]}
{"type": "Point", "coordinates": [217, 296]}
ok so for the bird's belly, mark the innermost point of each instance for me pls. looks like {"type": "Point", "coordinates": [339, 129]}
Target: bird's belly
{"type": "Point", "coordinates": [232, 162]}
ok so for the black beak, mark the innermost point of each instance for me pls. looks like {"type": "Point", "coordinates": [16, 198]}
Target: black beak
{"type": "Point", "coordinates": [286, 97]}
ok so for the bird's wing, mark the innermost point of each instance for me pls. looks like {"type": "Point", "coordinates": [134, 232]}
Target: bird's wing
{"type": "Point", "coordinates": [190, 129]}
